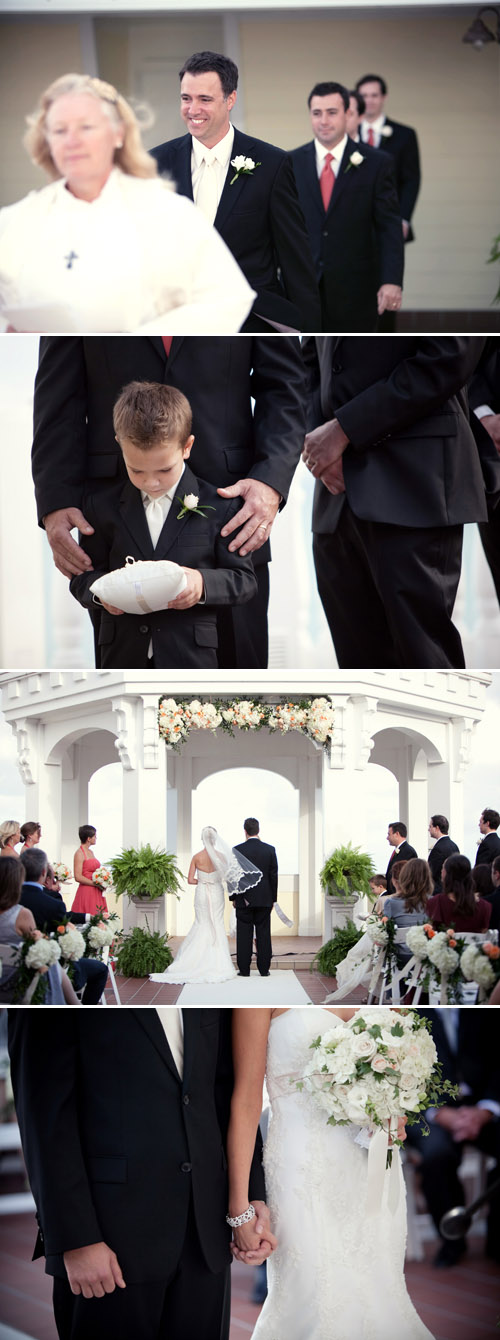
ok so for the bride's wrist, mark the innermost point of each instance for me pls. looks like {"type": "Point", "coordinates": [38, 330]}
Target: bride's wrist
{"type": "Point", "coordinates": [239, 1214]}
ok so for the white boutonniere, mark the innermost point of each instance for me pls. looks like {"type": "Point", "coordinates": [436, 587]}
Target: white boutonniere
{"type": "Point", "coordinates": [190, 504]}
{"type": "Point", "coordinates": [355, 160]}
{"type": "Point", "coordinates": [243, 167]}
{"type": "Point", "coordinates": [386, 131]}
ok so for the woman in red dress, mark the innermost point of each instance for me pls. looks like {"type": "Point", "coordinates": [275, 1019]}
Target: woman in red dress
{"type": "Point", "coordinates": [88, 897]}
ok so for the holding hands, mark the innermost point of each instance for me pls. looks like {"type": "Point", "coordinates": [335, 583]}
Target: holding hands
{"type": "Point", "coordinates": [253, 1242]}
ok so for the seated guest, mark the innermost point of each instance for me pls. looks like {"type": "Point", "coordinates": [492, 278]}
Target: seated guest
{"type": "Point", "coordinates": [31, 833]}
{"type": "Point", "coordinates": [458, 905]}
{"type": "Point", "coordinates": [48, 912]}
{"type": "Point", "coordinates": [409, 907]}
{"type": "Point", "coordinates": [10, 835]}
{"type": "Point", "coordinates": [18, 923]}
{"type": "Point", "coordinates": [493, 898]}
{"type": "Point", "coordinates": [51, 883]}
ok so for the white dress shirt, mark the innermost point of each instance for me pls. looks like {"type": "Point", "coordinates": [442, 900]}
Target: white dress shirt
{"type": "Point", "coordinates": [209, 168]}
{"type": "Point", "coordinates": [337, 155]}
{"type": "Point", "coordinates": [376, 126]}
{"type": "Point", "coordinates": [173, 1026]}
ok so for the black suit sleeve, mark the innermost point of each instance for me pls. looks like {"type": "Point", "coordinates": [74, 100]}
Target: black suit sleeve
{"type": "Point", "coordinates": [232, 581]}
{"type": "Point", "coordinates": [387, 220]}
{"type": "Point", "coordinates": [59, 454]}
{"type": "Point", "coordinates": [484, 388]}
{"type": "Point", "coordinates": [97, 546]}
{"type": "Point", "coordinates": [409, 175]}
{"type": "Point", "coordinates": [278, 386]}
{"type": "Point", "coordinates": [273, 873]}
{"type": "Point", "coordinates": [44, 1061]}
{"type": "Point", "coordinates": [47, 910]}
{"type": "Point", "coordinates": [291, 246]}
{"type": "Point", "coordinates": [417, 387]}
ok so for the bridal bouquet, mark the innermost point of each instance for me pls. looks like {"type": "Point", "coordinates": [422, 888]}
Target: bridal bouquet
{"type": "Point", "coordinates": [102, 877]}
{"type": "Point", "coordinates": [376, 1069]}
{"type": "Point", "coordinates": [62, 872]}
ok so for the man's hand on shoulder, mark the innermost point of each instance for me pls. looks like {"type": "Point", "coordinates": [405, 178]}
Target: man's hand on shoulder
{"type": "Point", "coordinates": [69, 557]}
{"type": "Point", "coordinates": [93, 1270]}
{"type": "Point", "coordinates": [256, 516]}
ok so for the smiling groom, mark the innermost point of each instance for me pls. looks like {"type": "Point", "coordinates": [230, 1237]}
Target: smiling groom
{"type": "Point", "coordinates": [246, 188]}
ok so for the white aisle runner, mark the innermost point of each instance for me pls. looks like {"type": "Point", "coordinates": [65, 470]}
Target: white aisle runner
{"type": "Point", "coordinates": [280, 988]}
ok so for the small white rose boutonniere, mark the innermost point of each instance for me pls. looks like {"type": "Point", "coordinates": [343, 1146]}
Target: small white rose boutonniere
{"type": "Point", "coordinates": [355, 160]}
{"type": "Point", "coordinates": [243, 167]}
{"type": "Point", "coordinates": [190, 504]}
{"type": "Point", "coordinates": [386, 131]}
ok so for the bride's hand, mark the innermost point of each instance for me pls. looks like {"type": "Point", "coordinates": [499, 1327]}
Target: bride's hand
{"type": "Point", "coordinates": [252, 1258]}
{"type": "Point", "coordinates": [249, 1237]}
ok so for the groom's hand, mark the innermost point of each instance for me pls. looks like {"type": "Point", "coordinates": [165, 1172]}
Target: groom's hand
{"type": "Point", "coordinates": [256, 516]}
{"type": "Point", "coordinates": [93, 1270]}
{"type": "Point", "coordinates": [69, 557]}
{"type": "Point", "coordinates": [324, 447]}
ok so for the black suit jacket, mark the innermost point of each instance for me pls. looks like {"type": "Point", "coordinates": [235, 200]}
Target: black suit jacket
{"type": "Point", "coordinates": [124, 1142]}
{"type": "Point", "coordinates": [264, 857]}
{"type": "Point", "coordinates": [476, 1060]}
{"type": "Point", "coordinates": [484, 389]}
{"type": "Point", "coordinates": [79, 379]}
{"type": "Point", "coordinates": [402, 143]}
{"type": "Point", "coordinates": [488, 849]}
{"type": "Point", "coordinates": [438, 853]}
{"type": "Point", "coordinates": [181, 638]}
{"type": "Point", "coordinates": [406, 853]}
{"type": "Point", "coordinates": [47, 909]}
{"type": "Point", "coordinates": [412, 459]}
{"type": "Point", "coordinates": [260, 220]}
{"type": "Point", "coordinates": [357, 245]}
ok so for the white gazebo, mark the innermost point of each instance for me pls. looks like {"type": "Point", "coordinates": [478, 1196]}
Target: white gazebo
{"type": "Point", "coordinates": [417, 724]}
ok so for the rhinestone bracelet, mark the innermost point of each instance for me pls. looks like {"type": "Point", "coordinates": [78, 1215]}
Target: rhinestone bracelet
{"type": "Point", "coordinates": [241, 1218]}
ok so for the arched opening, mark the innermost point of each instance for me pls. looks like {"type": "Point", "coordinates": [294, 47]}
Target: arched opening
{"type": "Point", "coordinates": [226, 798]}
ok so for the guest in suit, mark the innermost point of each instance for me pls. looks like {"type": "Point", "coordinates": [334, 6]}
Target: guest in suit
{"type": "Point", "coordinates": [467, 1045]}
{"type": "Point", "coordinates": [458, 904]}
{"type": "Point", "coordinates": [129, 1177]}
{"type": "Point", "coordinates": [439, 829]}
{"type": "Point", "coordinates": [253, 909]}
{"type": "Point", "coordinates": [398, 473]}
{"type": "Point", "coordinates": [379, 131]}
{"type": "Point", "coordinates": [253, 389]}
{"type": "Point", "coordinates": [494, 897]}
{"type": "Point", "coordinates": [141, 520]}
{"type": "Point", "coordinates": [49, 911]}
{"type": "Point", "coordinates": [484, 400]}
{"type": "Point", "coordinates": [397, 837]}
{"type": "Point", "coordinates": [489, 846]}
{"type": "Point", "coordinates": [246, 188]}
{"type": "Point", "coordinates": [349, 202]}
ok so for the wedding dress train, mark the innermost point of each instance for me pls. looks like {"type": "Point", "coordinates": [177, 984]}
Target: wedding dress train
{"type": "Point", "coordinates": [204, 954]}
{"type": "Point", "coordinates": [337, 1273]}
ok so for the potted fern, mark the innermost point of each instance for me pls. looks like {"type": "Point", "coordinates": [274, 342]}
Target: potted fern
{"type": "Point", "coordinates": [141, 952]}
{"type": "Point", "coordinates": [327, 959]}
{"type": "Point", "coordinates": [344, 877]}
{"type": "Point", "coordinates": [145, 874]}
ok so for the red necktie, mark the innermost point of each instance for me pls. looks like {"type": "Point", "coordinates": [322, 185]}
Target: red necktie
{"type": "Point", "coordinates": [167, 343]}
{"type": "Point", "coordinates": [370, 137]}
{"type": "Point", "coordinates": [327, 181]}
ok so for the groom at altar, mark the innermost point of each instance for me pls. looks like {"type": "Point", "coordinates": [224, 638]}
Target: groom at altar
{"type": "Point", "coordinates": [397, 473]}
{"type": "Point", "coordinates": [253, 909]}
{"type": "Point", "coordinates": [248, 401]}
{"type": "Point", "coordinates": [128, 1169]}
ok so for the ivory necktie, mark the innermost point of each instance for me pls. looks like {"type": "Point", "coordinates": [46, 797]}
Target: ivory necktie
{"type": "Point", "coordinates": [370, 137]}
{"type": "Point", "coordinates": [155, 517]}
{"type": "Point", "coordinates": [171, 1022]}
{"type": "Point", "coordinates": [326, 181]}
{"type": "Point", "coordinates": [206, 196]}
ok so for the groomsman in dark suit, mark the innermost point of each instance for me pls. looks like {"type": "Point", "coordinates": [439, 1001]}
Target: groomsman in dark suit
{"type": "Point", "coordinates": [443, 847]}
{"type": "Point", "coordinates": [246, 188]}
{"type": "Point", "coordinates": [398, 473]}
{"type": "Point", "coordinates": [379, 131]}
{"type": "Point", "coordinates": [349, 202]}
{"type": "Point", "coordinates": [484, 400]}
{"type": "Point", "coordinates": [248, 401]}
{"type": "Point", "coordinates": [397, 837]}
{"type": "Point", "coordinates": [253, 909]}
{"type": "Point", "coordinates": [489, 846]}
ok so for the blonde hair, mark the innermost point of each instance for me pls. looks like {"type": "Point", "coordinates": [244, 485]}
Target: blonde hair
{"type": "Point", "coordinates": [7, 829]}
{"type": "Point", "coordinates": [131, 157]}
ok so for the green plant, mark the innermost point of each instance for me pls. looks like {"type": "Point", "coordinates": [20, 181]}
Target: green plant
{"type": "Point", "coordinates": [144, 872]}
{"type": "Point", "coordinates": [347, 870]}
{"type": "Point", "coordinates": [492, 258]}
{"type": "Point", "coordinates": [331, 954]}
{"type": "Point", "coordinates": [142, 952]}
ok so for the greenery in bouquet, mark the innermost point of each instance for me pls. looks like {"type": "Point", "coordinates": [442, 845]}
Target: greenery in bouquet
{"type": "Point", "coordinates": [62, 871]}
{"type": "Point", "coordinates": [346, 871]}
{"type": "Point", "coordinates": [71, 944]}
{"type": "Point", "coordinates": [442, 954]}
{"type": "Point", "coordinates": [145, 872]}
{"type": "Point", "coordinates": [327, 959]}
{"type": "Point", "coordinates": [100, 932]}
{"type": "Point", "coordinates": [34, 956]}
{"type": "Point", "coordinates": [141, 952]}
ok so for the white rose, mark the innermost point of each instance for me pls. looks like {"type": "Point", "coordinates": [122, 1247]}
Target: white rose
{"type": "Point", "coordinates": [249, 164]}
{"type": "Point", "coordinates": [190, 500]}
{"type": "Point", "coordinates": [356, 158]}
{"type": "Point", "coordinates": [363, 1046]}
{"type": "Point", "coordinates": [239, 162]}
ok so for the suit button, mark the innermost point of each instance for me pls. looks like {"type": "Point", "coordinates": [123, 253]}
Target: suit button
{"type": "Point", "coordinates": [186, 1100]}
{"type": "Point", "coordinates": [325, 232]}
{"type": "Point", "coordinates": [144, 628]}
{"type": "Point", "coordinates": [186, 1167]}
{"type": "Point", "coordinates": [337, 367]}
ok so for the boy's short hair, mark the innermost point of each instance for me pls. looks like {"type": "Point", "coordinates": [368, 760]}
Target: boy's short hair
{"type": "Point", "coordinates": [148, 414]}
{"type": "Point", "coordinates": [379, 880]}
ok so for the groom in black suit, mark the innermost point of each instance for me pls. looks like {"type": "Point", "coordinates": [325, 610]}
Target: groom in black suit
{"type": "Point", "coordinates": [128, 1169]}
{"type": "Point", "coordinates": [398, 473]}
{"type": "Point", "coordinates": [254, 907]}
{"type": "Point", "coordinates": [248, 402]}
{"type": "Point", "coordinates": [246, 189]}
{"type": "Point", "coordinates": [349, 202]}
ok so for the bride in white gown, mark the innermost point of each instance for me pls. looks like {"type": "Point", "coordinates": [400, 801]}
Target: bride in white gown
{"type": "Point", "coordinates": [204, 954]}
{"type": "Point", "coordinates": [336, 1273]}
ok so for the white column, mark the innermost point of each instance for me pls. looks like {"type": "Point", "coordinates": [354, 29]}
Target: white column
{"type": "Point", "coordinates": [310, 837]}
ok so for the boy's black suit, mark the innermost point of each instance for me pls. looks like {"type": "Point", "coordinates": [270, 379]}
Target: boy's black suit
{"type": "Point", "coordinates": [181, 638]}
{"type": "Point", "coordinates": [257, 914]}
{"type": "Point", "coordinates": [357, 244]}
{"type": "Point", "coordinates": [248, 401]}
{"type": "Point", "coordinates": [127, 1153]}
{"type": "Point", "coordinates": [260, 220]}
